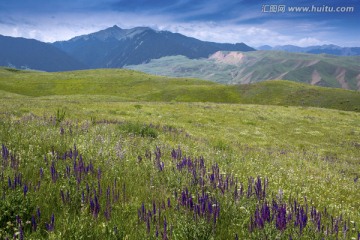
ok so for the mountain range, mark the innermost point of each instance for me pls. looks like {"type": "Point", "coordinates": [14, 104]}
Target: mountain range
{"type": "Point", "coordinates": [115, 47]}
{"type": "Point", "coordinates": [257, 66]}
{"type": "Point", "coordinates": [323, 49]}
{"type": "Point", "coordinates": [109, 48]}
{"type": "Point", "coordinates": [173, 54]}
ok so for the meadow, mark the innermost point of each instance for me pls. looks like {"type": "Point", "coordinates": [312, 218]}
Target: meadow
{"type": "Point", "coordinates": [84, 159]}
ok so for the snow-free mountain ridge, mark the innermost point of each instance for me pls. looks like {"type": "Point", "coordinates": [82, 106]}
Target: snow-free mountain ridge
{"type": "Point", "coordinates": [115, 47]}
{"type": "Point", "coordinates": [323, 49]}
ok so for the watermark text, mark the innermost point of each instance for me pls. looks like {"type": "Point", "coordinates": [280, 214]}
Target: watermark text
{"type": "Point", "coordinates": [273, 8]}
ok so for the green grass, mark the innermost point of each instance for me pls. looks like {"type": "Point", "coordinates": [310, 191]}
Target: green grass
{"type": "Point", "coordinates": [303, 151]}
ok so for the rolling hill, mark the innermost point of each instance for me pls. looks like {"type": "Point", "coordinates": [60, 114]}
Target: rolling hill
{"type": "Point", "coordinates": [257, 66]}
{"type": "Point", "coordinates": [128, 85]}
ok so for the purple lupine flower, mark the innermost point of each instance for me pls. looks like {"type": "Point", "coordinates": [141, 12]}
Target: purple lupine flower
{"type": "Point", "coordinates": [108, 195]}
{"type": "Point", "coordinates": [17, 180]}
{"type": "Point", "coordinates": [210, 208]}
{"type": "Point", "coordinates": [157, 153]}
{"type": "Point", "coordinates": [33, 223]}
{"type": "Point", "coordinates": [5, 152]}
{"type": "Point", "coordinates": [176, 154]}
{"type": "Point", "coordinates": [96, 206]}
{"type": "Point", "coordinates": [18, 219]}
{"type": "Point", "coordinates": [259, 221]}
{"type": "Point", "coordinates": [51, 226]}
{"type": "Point", "coordinates": [165, 229]}
{"type": "Point", "coordinates": [191, 203]}
{"type": "Point", "coordinates": [143, 209]}
{"type": "Point", "coordinates": [281, 218]}
{"type": "Point", "coordinates": [25, 190]}
{"type": "Point", "coordinates": [336, 227]}
{"type": "Point", "coordinates": [265, 212]}
{"type": "Point", "coordinates": [9, 182]}
{"type": "Point", "coordinates": [41, 173]}
{"type": "Point", "coordinates": [168, 203]}
{"type": "Point", "coordinates": [21, 232]}
{"type": "Point", "coordinates": [148, 225]}
{"type": "Point", "coordinates": [154, 207]}
{"type": "Point", "coordinates": [258, 188]}
{"type": "Point", "coordinates": [38, 213]}
{"type": "Point", "coordinates": [92, 205]}
{"type": "Point", "coordinates": [345, 229]}
{"type": "Point", "coordinates": [53, 172]}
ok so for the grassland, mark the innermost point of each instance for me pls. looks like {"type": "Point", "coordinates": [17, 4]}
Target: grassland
{"type": "Point", "coordinates": [128, 85]}
{"type": "Point", "coordinates": [131, 179]}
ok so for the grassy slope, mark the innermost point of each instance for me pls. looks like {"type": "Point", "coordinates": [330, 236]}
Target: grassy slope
{"type": "Point", "coordinates": [279, 92]}
{"type": "Point", "coordinates": [304, 151]}
{"type": "Point", "coordinates": [135, 86]}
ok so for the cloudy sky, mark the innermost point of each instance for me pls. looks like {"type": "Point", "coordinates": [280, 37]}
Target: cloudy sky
{"type": "Point", "coordinates": [255, 22]}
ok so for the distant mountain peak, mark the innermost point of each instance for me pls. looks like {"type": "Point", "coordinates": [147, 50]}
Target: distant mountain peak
{"type": "Point", "coordinates": [115, 27]}
{"type": "Point", "coordinates": [112, 33]}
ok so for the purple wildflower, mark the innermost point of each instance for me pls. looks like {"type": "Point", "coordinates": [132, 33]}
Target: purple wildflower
{"type": "Point", "coordinates": [25, 190]}
{"type": "Point", "coordinates": [168, 203]}
{"type": "Point", "coordinates": [21, 232]}
{"type": "Point", "coordinates": [165, 229]}
{"type": "Point", "coordinates": [281, 218]}
{"type": "Point", "coordinates": [38, 213]}
{"type": "Point", "coordinates": [51, 226]}
{"type": "Point", "coordinates": [5, 152]}
{"type": "Point", "coordinates": [33, 223]}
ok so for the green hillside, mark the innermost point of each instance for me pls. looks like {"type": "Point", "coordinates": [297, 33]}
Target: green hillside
{"type": "Point", "coordinates": [128, 85]}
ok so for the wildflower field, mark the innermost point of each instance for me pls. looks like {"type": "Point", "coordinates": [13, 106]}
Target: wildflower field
{"type": "Point", "coordinates": [98, 166]}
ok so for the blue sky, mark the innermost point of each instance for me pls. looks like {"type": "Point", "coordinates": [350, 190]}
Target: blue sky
{"type": "Point", "coordinates": [254, 22]}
